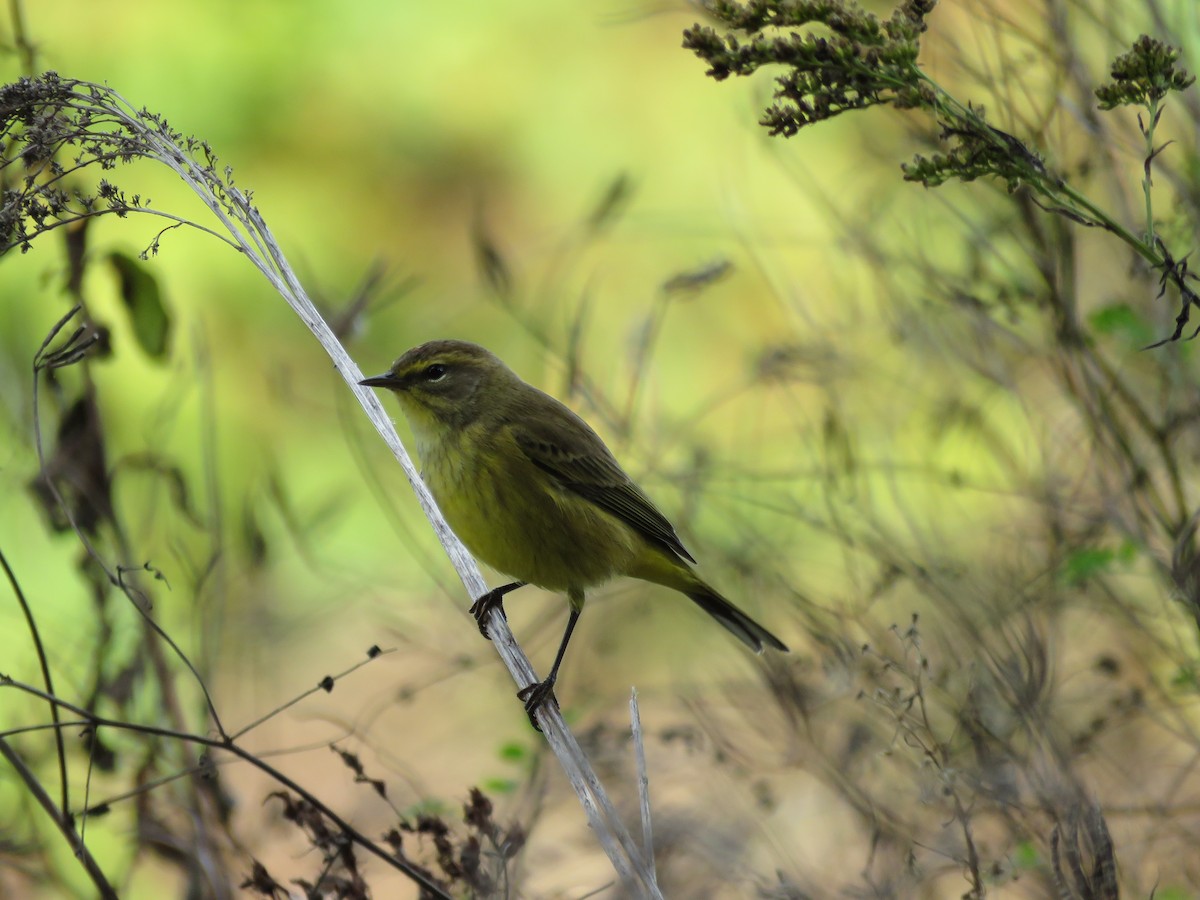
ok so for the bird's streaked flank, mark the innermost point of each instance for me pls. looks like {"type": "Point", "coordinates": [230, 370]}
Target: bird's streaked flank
{"type": "Point", "coordinates": [533, 492]}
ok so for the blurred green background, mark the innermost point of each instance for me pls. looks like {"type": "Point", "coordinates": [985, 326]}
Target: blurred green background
{"type": "Point", "coordinates": [792, 416]}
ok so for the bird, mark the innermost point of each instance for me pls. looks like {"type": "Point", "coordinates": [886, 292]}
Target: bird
{"type": "Point", "coordinates": [532, 491]}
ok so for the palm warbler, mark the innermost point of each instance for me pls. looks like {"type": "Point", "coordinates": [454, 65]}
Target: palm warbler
{"type": "Point", "coordinates": [534, 493]}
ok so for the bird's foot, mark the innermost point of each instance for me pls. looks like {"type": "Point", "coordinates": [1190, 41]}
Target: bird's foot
{"type": "Point", "coordinates": [482, 607]}
{"type": "Point", "coordinates": [493, 599]}
{"type": "Point", "coordinates": [536, 696]}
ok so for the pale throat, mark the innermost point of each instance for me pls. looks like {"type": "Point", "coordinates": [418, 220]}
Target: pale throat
{"type": "Point", "coordinates": [430, 434]}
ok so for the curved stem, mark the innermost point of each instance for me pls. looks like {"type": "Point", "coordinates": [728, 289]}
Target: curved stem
{"type": "Point", "coordinates": [228, 745]}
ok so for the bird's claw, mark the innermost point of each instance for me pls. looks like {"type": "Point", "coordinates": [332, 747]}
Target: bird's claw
{"type": "Point", "coordinates": [493, 599]}
{"type": "Point", "coordinates": [536, 696]}
{"type": "Point", "coordinates": [481, 608]}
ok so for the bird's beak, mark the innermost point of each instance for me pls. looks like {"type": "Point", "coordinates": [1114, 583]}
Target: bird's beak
{"type": "Point", "coordinates": [386, 380]}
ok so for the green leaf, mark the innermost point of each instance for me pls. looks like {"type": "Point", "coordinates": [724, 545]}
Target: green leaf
{"type": "Point", "coordinates": [513, 752]}
{"type": "Point", "coordinates": [144, 303]}
{"type": "Point", "coordinates": [1185, 678]}
{"type": "Point", "coordinates": [1025, 856]}
{"type": "Point", "coordinates": [1123, 320]}
{"type": "Point", "coordinates": [427, 807]}
{"type": "Point", "coordinates": [1173, 893]}
{"type": "Point", "coordinates": [499, 785]}
{"type": "Point", "coordinates": [1087, 563]}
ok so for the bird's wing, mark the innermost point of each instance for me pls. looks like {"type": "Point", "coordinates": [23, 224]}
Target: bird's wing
{"type": "Point", "coordinates": [560, 443]}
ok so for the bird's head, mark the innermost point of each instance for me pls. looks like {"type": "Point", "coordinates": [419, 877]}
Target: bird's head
{"type": "Point", "coordinates": [445, 382]}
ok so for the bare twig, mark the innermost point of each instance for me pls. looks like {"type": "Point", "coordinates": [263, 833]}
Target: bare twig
{"type": "Point", "coordinates": [44, 664]}
{"type": "Point", "coordinates": [643, 781]}
{"type": "Point", "coordinates": [228, 745]}
{"type": "Point", "coordinates": [61, 817]}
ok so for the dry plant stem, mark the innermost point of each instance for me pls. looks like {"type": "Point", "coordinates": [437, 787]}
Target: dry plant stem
{"type": "Point", "coordinates": [250, 234]}
{"type": "Point", "coordinates": [61, 819]}
{"type": "Point", "coordinates": [44, 664]}
{"type": "Point", "coordinates": [26, 50]}
{"type": "Point", "coordinates": [246, 756]}
{"type": "Point", "coordinates": [325, 684]}
{"type": "Point", "coordinates": [602, 816]}
{"type": "Point", "coordinates": [151, 631]}
{"type": "Point", "coordinates": [643, 781]}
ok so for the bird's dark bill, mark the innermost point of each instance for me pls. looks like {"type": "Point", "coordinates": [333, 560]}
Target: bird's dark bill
{"type": "Point", "coordinates": [385, 380]}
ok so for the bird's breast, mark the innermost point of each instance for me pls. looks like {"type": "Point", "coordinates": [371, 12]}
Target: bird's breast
{"type": "Point", "coordinates": [517, 519]}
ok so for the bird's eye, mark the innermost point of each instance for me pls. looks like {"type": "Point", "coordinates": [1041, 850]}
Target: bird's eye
{"type": "Point", "coordinates": [436, 372]}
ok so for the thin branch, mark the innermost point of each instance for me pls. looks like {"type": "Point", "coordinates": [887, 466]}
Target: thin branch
{"type": "Point", "coordinates": [643, 781]}
{"type": "Point", "coordinates": [226, 744]}
{"type": "Point", "coordinates": [45, 359]}
{"type": "Point", "coordinates": [44, 664]}
{"type": "Point", "coordinates": [61, 817]}
{"type": "Point", "coordinates": [325, 684]}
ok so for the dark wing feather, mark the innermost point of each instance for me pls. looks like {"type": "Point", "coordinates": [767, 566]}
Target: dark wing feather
{"type": "Point", "coordinates": [561, 444]}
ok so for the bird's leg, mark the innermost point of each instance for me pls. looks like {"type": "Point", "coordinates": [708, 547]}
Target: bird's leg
{"type": "Point", "coordinates": [540, 692]}
{"type": "Point", "coordinates": [493, 599]}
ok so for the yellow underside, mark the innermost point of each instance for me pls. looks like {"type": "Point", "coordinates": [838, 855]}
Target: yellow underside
{"type": "Point", "coordinates": [512, 516]}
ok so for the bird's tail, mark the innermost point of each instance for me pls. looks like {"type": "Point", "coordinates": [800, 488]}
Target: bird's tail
{"type": "Point", "coordinates": [745, 628]}
{"type": "Point", "coordinates": [667, 569]}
